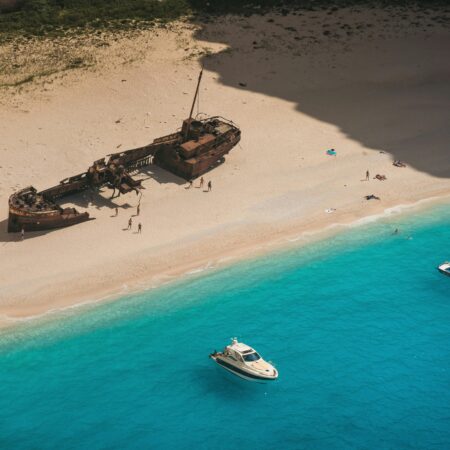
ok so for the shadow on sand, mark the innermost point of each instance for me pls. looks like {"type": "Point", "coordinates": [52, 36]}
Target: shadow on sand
{"type": "Point", "coordinates": [93, 198]}
{"type": "Point", "coordinates": [387, 96]}
{"type": "Point", "coordinates": [6, 237]}
{"type": "Point", "coordinates": [160, 175]}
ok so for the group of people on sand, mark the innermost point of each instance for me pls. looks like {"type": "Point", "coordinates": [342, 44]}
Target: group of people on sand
{"type": "Point", "coordinates": [130, 220]}
{"type": "Point", "coordinates": [202, 182]}
{"type": "Point", "coordinates": [380, 177]}
{"type": "Point", "coordinates": [130, 225]}
{"type": "Point", "coordinates": [376, 177]}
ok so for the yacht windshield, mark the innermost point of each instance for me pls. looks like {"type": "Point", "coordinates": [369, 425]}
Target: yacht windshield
{"type": "Point", "coordinates": [252, 357]}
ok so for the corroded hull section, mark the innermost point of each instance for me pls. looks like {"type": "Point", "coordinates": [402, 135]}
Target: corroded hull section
{"type": "Point", "coordinates": [202, 152]}
{"type": "Point", "coordinates": [17, 222]}
{"type": "Point", "coordinates": [29, 211]}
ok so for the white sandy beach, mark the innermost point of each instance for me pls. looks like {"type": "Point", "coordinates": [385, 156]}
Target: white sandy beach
{"type": "Point", "coordinates": [378, 94]}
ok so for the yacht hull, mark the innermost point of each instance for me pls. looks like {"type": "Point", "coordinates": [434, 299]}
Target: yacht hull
{"type": "Point", "coordinates": [249, 376]}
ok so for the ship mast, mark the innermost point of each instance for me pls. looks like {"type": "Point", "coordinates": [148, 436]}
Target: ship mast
{"type": "Point", "coordinates": [193, 104]}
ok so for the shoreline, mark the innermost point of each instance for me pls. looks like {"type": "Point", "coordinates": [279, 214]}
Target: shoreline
{"type": "Point", "coordinates": [297, 85]}
{"type": "Point", "coordinates": [288, 241]}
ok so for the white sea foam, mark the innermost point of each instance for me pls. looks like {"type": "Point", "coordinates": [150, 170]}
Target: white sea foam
{"type": "Point", "coordinates": [388, 212]}
{"type": "Point", "coordinates": [55, 311]}
{"type": "Point", "coordinates": [392, 211]}
{"type": "Point", "coordinates": [225, 259]}
{"type": "Point", "coordinates": [208, 265]}
{"type": "Point", "coordinates": [294, 239]}
{"type": "Point", "coordinates": [195, 271]}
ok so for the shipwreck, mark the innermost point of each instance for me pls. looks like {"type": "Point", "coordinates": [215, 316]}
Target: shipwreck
{"type": "Point", "coordinates": [196, 148]}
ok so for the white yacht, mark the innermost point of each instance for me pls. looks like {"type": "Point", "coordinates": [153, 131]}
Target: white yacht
{"type": "Point", "coordinates": [445, 268]}
{"type": "Point", "coordinates": [244, 362]}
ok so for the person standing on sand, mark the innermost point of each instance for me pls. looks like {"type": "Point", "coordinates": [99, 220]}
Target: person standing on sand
{"type": "Point", "coordinates": [201, 182]}
{"type": "Point", "coordinates": [139, 227]}
{"type": "Point", "coordinates": [367, 175]}
{"type": "Point", "coordinates": [209, 185]}
{"type": "Point", "coordinates": [117, 211]}
{"type": "Point", "coordinates": [130, 222]}
{"type": "Point", "coordinates": [23, 233]}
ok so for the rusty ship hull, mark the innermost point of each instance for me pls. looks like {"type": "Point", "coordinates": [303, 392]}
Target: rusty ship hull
{"type": "Point", "coordinates": [42, 222]}
{"type": "Point", "coordinates": [189, 153]}
{"type": "Point", "coordinates": [30, 211]}
{"type": "Point", "coordinates": [201, 153]}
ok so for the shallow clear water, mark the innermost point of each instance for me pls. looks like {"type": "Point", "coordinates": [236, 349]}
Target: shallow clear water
{"type": "Point", "coordinates": [357, 325]}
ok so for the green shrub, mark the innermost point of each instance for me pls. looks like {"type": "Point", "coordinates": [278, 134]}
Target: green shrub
{"type": "Point", "coordinates": [29, 16]}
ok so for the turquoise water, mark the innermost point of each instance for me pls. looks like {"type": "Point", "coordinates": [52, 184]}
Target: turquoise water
{"type": "Point", "coordinates": [358, 326]}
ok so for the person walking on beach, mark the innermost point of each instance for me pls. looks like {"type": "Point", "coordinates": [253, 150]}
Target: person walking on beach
{"type": "Point", "coordinates": [22, 232]}
{"type": "Point", "coordinates": [117, 211]}
{"type": "Point", "coordinates": [130, 222]}
{"type": "Point", "coordinates": [201, 182]}
{"type": "Point", "coordinates": [367, 175]}
{"type": "Point", "coordinates": [209, 185]}
{"type": "Point", "coordinates": [138, 209]}
{"type": "Point", "coordinates": [139, 228]}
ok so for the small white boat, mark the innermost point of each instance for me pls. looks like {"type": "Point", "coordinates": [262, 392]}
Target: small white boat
{"type": "Point", "coordinates": [245, 362]}
{"type": "Point", "coordinates": [445, 268]}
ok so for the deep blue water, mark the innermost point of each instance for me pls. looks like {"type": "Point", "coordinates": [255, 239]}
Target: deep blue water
{"type": "Point", "coordinates": [357, 325]}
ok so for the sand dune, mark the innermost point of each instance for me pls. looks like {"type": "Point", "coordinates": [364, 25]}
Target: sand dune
{"type": "Point", "coordinates": [374, 93]}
